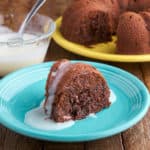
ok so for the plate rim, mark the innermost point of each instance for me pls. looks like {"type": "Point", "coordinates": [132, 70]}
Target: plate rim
{"type": "Point", "coordinates": [64, 43]}
{"type": "Point", "coordinates": [78, 138]}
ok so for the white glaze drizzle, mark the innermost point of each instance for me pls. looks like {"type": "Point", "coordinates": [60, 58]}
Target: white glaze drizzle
{"type": "Point", "coordinates": [57, 77]}
{"type": "Point", "coordinates": [113, 97]}
{"type": "Point", "coordinates": [37, 118]}
{"type": "Point", "coordinates": [92, 115]}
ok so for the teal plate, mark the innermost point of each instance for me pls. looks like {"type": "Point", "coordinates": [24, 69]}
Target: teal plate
{"type": "Point", "coordinates": [23, 90]}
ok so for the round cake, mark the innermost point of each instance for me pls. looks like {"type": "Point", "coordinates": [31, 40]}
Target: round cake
{"type": "Point", "coordinates": [123, 5]}
{"type": "Point", "coordinates": [138, 5]}
{"type": "Point", "coordinates": [134, 33]}
{"type": "Point", "coordinates": [134, 5]}
{"type": "Point", "coordinates": [90, 21]}
{"type": "Point", "coordinates": [74, 91]}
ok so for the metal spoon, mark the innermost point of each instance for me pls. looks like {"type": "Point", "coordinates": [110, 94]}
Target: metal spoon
{"type": "Point", "coordinates": [18, 40]}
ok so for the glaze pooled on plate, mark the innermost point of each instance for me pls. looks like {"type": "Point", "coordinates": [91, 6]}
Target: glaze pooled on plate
{"type": "Point", "coordinates": [37, 118]}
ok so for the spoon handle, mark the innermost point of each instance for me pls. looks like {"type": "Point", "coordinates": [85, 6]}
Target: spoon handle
{"type": "Point", "coordinates": [29, 16]}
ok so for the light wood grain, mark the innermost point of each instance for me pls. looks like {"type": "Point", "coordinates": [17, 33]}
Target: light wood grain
{"type": "Point", "coordinates": [12, 141]}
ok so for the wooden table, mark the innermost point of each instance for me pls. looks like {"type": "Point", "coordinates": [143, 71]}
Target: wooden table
{"type": "Point", "coordinates": [136, 138]}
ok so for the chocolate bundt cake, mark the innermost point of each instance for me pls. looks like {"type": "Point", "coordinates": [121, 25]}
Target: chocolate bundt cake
{"type": "Point", "coordinates": [134, 33]}
{"type": "Point", "coordinates": [134, 5]}
{"type": "Point", "coordinates": [74, 91]}
{"type": "Point", "coordinates": [90, 21]}
{"type": "Point", "coordinates": [123, 5]}
{"type": "Point", "coordinates": [138, 5]}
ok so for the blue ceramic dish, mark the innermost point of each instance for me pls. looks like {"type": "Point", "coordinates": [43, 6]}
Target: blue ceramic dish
{"type": "Point", "coordinates": [24, 90]}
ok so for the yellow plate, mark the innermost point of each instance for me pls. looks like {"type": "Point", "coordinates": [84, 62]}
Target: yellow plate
{"type": "Point", "coordinates": [103, 51]}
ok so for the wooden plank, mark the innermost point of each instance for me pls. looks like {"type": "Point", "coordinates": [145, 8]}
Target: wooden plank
{"type": "Point", "coordinates": [146, 73]}
{"type": "Point", "coordinates": [12, 141]}
{"type": "Point", "coordinates": [146, 122]}
{"type": "Point", "coordinates": [112, 143]}
{"type": "Point", "coordinates": [2, 136]}
{"type": "Point", "coordinates": [55, 8]}
{"type": "Point", "coordinates": [137, 137]}
{"type": "Point", "coordinates": [63, 146]}
{"type": "Point", "coordinates": [55, 52]}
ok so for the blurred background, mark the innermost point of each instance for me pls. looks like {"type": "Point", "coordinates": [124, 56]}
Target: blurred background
{"type": "Point", "coordinates": [15, 10]}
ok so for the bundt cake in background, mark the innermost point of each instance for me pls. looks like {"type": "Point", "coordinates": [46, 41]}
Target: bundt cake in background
{"type": "Point", "coordinates": [138, 5]}
{"type": "Point", "coordinates": [14, 11]}
{"type": "Point", "coordinates": [90, 21]}
{"type": "Point", "coordinates": [123, 5]}
{"type": "Point", "coordinates": [134, 33]}
{"type": "Point", "coordinates": [134, 5]}
{"type": "Point", "coordinates": [74, 91]}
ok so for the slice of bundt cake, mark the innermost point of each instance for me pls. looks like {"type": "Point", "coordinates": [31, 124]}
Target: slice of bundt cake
{"type": "Point", "coordinates": [134, 33]}
{"type": "Point", "coordinates": [90, 21]}
{"type": "Point", "coordinates": [74, 91]}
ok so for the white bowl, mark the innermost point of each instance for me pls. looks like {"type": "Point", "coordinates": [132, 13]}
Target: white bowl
{"type": "Point", "coordinates": [33, 48]}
